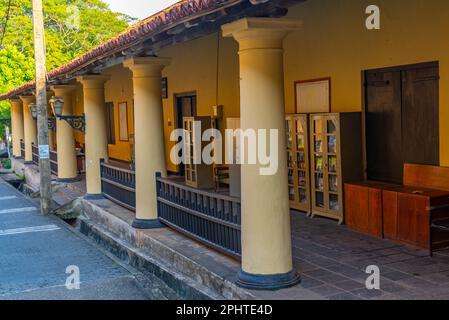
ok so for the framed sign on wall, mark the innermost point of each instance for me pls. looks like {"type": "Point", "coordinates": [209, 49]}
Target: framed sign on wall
{"type": "Point", "coordinates": [313, 96]}
{"type": "Point", "coordinates": [123, 121]}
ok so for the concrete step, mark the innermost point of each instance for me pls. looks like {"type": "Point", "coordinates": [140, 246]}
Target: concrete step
{"type": "Point", "coordinates": [142, 249]}
{"type": "Point", "coordinates": [142, 261]}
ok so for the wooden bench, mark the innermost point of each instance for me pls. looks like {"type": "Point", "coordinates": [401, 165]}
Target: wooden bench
{"type": "Point", "coordinates": [421, 176]}
{"type": "Point", "coordinates": [415, 213]}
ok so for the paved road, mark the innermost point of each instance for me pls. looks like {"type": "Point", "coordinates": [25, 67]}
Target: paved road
{"type": "Point", "coordinates": [35, 252]}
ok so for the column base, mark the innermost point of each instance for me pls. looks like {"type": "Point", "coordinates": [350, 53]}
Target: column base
{"type": "Point", "coordinates": [28, 162]}
{"type": "Point", "coordinates": [268, 282]}
{"type": "Point", "coordinates": [68, 180]}
{"type": "Point", "coordinates": [147, 224]}
{"type": "Point", "coordinates": [93, 197]}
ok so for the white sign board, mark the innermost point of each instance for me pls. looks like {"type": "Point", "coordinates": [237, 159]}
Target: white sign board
{"type": "Point", "coordinates": [44, 152]}
{"type": "Point", "coordinates": [313, 96]}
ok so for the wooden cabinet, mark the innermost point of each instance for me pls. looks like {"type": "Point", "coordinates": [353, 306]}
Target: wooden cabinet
{"type": "Point", "coordinates": [363, 211]}
{"type": "Point", "coordinates": [298, 162]}
{"type": "Point", "coordinates": [197, 174]}
{"type": "Point", "coordinates": [336, 158]}
{"type": "Point", "coordinates": [406, 213]}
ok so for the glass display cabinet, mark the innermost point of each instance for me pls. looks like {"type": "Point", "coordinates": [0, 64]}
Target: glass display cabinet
{"type": "Point", "coordinates": [336, 158]}
{"type": "Point", "coordinates": [199, 175]}
{"type": "Point", "coordinates": [298, 161]}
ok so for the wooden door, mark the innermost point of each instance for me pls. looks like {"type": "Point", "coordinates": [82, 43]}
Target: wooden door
{"type": "Point", "coordinates": [402, 119]}
{"type": "Point", "coordinates": [420, 122]}
{"type": "Point", "coordinates": [383, 126]}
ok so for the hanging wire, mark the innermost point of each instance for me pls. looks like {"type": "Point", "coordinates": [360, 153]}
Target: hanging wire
{"type": "Point", "coordinates": [8, 11]}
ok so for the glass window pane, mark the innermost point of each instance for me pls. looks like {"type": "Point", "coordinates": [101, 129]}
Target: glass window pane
{"type": "Point", "coordinates": [331, 127]}
{"type": "Point", "coordinates": [291, 194]}
{"type": "Point", "coordinates": [289, 141]}
{"type": "Point", "coordinates": [302, 196]}
{"type": "Point", "coordinates": [290, 160]}
{"type": "Point", "coordinates": [333, 183]}
{"type": "Point", "coordinates": [318, 145]}
{"type": "Point", "coordinates": [332, 144]}
{"type": "Point", "coordinates": [319, 199]}
{"type": "Point", "coordinates": [318, 163]}
{"type": "Point", "coordinates": [291, 179]}
{"type": "Point", "coordinates": [300, 142]}
{"type": "Point", "coordinates": [332, 162]}
{"type": "Point", "coordinates": [319, 181]}
{"type": "Point", "coordinates": [333, 202]}
{"type": "Point", "coordinates": [302, 178]}
{"type": "Point", "coordinates": [288, 126]}
{"type": "Point", "coordinates": [299, 126]}
{"type": "Point", "coordinates": [301, 160]}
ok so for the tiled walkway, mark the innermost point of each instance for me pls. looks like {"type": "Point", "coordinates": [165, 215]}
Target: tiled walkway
{"type": "Point", "coordinates": [333, 260]}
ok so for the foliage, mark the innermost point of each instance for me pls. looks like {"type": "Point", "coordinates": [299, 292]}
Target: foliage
{"type": "Point", "coordinates": [72, 27]}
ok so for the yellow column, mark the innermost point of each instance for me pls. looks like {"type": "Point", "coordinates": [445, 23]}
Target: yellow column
{"type": "Point", "coordinates": [266, 235]}
{"type": "Point", "coordinates": [65, 139]}
{"type": "Point", "coordinates": [30, 131]}
{"type": "Point", "coordinates": [149, 155]}
{"type": "Point", "coordinates": [96, 139]}
{"type": "Point", "coordinates": [16, 126]}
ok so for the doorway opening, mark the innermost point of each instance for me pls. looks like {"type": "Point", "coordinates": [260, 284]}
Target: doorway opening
{"type": "Point", "coordinates": [185, 106]}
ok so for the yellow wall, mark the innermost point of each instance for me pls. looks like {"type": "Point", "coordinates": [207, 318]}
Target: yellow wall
{"type": "Point", "coordinates": [335, 42]}
{"type": "Point", "coordinates": [194, 69]}
{"type": "Point", "coordinates": [117, 90]}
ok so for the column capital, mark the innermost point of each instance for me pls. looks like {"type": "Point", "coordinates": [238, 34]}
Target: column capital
{"type": "Point", "coordinates": [260, 33]}
{"type": "Point", "coordinates": [93, 81]}
{"type": "Point", "coordinates": [15, 101]}
{"type": "Point", "coordinates": [27, 99]}
{"type": "Point", "coordinates": [62, 90]}
{"type": "Point", "coordinates": [147, 66]}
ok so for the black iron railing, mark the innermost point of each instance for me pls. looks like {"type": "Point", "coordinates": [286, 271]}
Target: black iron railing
{"type": "Point", "coordinates": [22, 149]}
{"type": "Point", "coordinates": [53, 158]}
{"type": "Point", "coordinates": [118, 185]}
{"type": "Point", "coordinates": [208, 217]}
{"type": "Point", "coordinates": [54, 162]}
{"type": "Point", "coordinates": [35, 154]}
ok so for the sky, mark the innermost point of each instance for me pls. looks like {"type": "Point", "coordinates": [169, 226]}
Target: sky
{"type": "Point", "coordinates": [139, 8]}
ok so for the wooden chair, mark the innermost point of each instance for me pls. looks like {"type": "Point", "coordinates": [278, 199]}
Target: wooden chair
{"type": "Point", "coordinates": [439, 229]}
{"type": "Point", "coordinates": [221, 176]}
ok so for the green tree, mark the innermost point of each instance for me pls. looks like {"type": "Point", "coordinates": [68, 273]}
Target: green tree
{"type": "Point", "coordinates": [72, 27]}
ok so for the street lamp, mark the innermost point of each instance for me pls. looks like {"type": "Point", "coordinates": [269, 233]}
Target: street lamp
{"type": "Point", "coordinates": [51, 121]}
{"type": "Point", "coordinates": [33, 110]}
{"type": "Point", "coordinates": [76, 122]}
{"type": "Point", "coordinates": [57, 103]}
